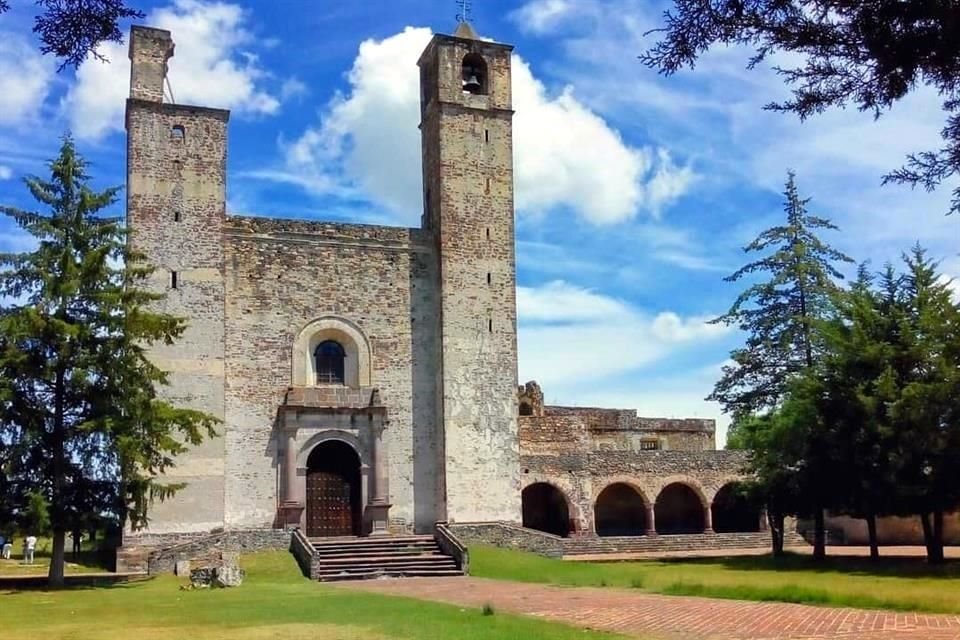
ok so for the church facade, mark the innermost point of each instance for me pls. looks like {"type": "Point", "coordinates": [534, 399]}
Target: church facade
{"type": "Point", "coordinates": [366, 376]}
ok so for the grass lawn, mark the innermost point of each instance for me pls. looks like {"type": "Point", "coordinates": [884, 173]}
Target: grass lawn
{"type": "Point", "coordinates": [275, 601]}
{"type": "Point", "coordinates": [88, 561]}
{"type": "Point", "coordinates": [899, 584]}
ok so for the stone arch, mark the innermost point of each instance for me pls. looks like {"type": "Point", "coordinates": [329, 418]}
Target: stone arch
{"type": "Point", "coordinates": [334, 490]}
{"type": "Point", "coordinates": [332, 434]}
{"type": "Point", "coordinates": [546, 508]}
{"type": "Point", "coordinates": [474, 74]}
{"type": "Point", "coordinates": [357, 369]}
{"type": "Point", "coordinates": [620, 509]}
{"type": "Point", "coordinates": [680, 508]}
{"type": "Point", "coordinates": [734, 512]}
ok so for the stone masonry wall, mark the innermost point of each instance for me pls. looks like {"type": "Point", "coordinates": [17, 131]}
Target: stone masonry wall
{"type": "Point", "coordinates": [176, 171]}
{"type": "Point", "coordinates": [468, 182]}
{"type": "Point", "coordinates": [283, 274]}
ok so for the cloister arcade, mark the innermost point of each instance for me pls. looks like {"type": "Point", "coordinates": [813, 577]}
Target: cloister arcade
{"type": "Point", "coordinates": [624, 507]}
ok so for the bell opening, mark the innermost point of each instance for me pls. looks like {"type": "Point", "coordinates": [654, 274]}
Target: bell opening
{"type": "Point", "coordinates": [474, 74]}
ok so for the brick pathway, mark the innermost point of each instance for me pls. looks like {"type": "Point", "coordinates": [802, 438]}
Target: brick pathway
{"type": "Point", "coordinates": [671, 617]}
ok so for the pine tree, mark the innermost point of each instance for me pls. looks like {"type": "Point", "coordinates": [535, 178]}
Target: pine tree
{"type": "Point", "coordinates": [779, 316]}
{"type": "Point", "coordinates": [78, 407]}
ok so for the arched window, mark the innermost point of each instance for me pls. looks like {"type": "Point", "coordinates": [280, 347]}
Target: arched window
{"type": "Point", "coordinates": [526, 409]}
{"type": "Point", "coordinates": [178, 133]}
{"type": "Point", "coordinates": [474, 74]}
{"type": "Point", "coordinates": [329, 356]}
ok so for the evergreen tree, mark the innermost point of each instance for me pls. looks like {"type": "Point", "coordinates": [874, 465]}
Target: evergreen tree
{"type": "Point", "coordinates": [779, 316]}
{"type": "Point", "coordinates": [78, 408]}
{"type": "Point", "coordinates": [927, 408]}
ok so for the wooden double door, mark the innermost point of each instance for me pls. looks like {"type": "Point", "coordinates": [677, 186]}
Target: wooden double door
{"type": "Point", "coordinates": [333, 491]}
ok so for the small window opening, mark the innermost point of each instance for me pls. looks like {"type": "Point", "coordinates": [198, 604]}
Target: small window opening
{"type": "Point", "coordinates": [486, 135]}
{"type": "Point", "coordinates": [649, 445]}
{"type": "Point", "coordinates": [526, 409]}
{"type": "Point", "coordinates": [488, 233]}
{"type": "Point", "coordinates": [474, 74]}
{"type": "Point", "coordinates": [487, 188]}
{"type": "Point", "coordinates": [489, 279]}
{"type": "Point", "coordinates": [329, 356]}
{"type": "Point", "coordinates": [176, 216]}
{"type": "Point", "coordinates": [490, 326]}
{"type": "Point", "coordinates": [178, 133]}
{"type": "Point", "coordinates": [173, 279]}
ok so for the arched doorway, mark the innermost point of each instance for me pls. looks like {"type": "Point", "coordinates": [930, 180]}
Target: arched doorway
{"type": "Point", "coordinates": [733, 511]}
{"type": "Point", "coordinates": [620, 511]}
{"type": "Point", "coordinates": [678, 510]}
{"type": "Point", "coordinates": [545, 509]}
{"type": "Point", "coordinates": [333, 490]}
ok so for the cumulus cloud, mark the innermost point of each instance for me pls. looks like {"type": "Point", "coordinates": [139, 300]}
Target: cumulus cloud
{"type": "Point", "coordinates": [367, 145]}
{"type": "Point", "coordinates": [542, 16]}
{"type": "Point", "coordinates": [568, 334]}
{"type": "Point", "coordinates": [25, 78]}
{"type": "Point", "coordinates": [211, 68]}
{"type": "Point", "coordinates": [5, 172]}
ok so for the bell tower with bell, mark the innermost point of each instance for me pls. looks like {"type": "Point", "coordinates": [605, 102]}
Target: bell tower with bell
{"type": "Point", "coordinates": [467, 146]}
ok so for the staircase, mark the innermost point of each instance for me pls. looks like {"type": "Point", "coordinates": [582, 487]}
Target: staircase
{"type": "Point", "coordinates": [376, 557]}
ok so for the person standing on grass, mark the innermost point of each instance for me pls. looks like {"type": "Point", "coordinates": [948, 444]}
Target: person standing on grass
{"type": "Point", "coordinates": [29, 544]}
{"type": "Point", "coordinates": [8, 548]}
{"type": "Point", "coordinates": [77, 538]}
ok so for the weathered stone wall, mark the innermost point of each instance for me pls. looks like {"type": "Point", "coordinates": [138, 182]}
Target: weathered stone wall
{"type": "Point", "coordinates": [176, 171]}
{"type": "Point", "coordinates": [582, 474]}
{"type": "Point", "coordinates": [617, 429]}
{"type": "Point", "coordinates": [508, 536]}
{"type": "Point", "coordinates": [468, 182]}
{"type": "Point", "coordinates": [280, 276]}
{"type": "Point", "coordinates": [208, 549]}
{"type": "Point", "coordinates": [893, 530]}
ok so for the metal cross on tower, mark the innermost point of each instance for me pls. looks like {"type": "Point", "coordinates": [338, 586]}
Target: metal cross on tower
{"type": "Point", "coordinates": [465, 7]}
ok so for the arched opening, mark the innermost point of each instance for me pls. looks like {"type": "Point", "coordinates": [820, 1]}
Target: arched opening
{"type": "Point", "coordinates": [526, 409]}
{"type": "Point", "coordinates": [620, 511]}
{"type": "Point", "coordinates": [178, 133]}
{"type": "Point", "coordinates": [474, 74]}
{"type": "Point", "coordinates": [333, 490]}
{"type": "Point", "coordinates": [678, 510]}
{"type": "Point", "coordinates": [329, 356]}
{"type": "Point", "coordinates": [545, 509]}
{"type": "Point", "coordinates": [734, 511]}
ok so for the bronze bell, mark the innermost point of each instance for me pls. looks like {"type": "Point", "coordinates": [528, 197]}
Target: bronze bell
{"type": "Point", "coordinates": [472, 84]}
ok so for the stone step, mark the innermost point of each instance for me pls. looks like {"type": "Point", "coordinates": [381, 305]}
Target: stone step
{"type": "Point", "coordinates": [377, 566]}
{"type": "Point", "coordinates": [355, 541]}
{"type": "Point", "coordinates": [383, 559]}
{"type": "Point", "coordinates": [377, 553]}
{"type": "Point", "coordinates": [400, 548]}
{"type": "Point", "coordinates": [370, 575]}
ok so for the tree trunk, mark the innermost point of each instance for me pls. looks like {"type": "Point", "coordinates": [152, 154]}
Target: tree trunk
{"type": "Point", "coordinates": [872, 532]}
{"type": "Point", "coordinates": [775, 521]}
{"type": "Point", "coordinates": [57, 559]}
{"type": "Point", "coordinates": [819, 535]}
{"type": "Point", "coordinates": [937, 541]}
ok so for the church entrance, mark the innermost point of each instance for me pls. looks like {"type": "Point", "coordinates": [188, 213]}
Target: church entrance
{"type": "Point", "coordinates": [333, 490]}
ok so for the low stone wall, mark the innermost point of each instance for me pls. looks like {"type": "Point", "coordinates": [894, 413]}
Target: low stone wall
{"type": "Point", "coordinates": [508, 536]}
{"type": "Point", "coordinates": [305, 554]}
{"type": "Point", "coordinates": [590, 545]}
{"type": "Point", "coordinates": [209, 548]}
{"type": "Point", "coordinates": [451, 545]}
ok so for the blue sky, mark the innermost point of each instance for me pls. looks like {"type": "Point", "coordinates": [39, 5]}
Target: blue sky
{"type": "Point", "coordinates": [635, 192]}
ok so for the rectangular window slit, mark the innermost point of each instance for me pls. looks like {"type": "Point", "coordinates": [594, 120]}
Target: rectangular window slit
{"type": "Point", "coordinates": [176, 216]}
{"type": "Point", "coordinates": [173, 279]}
{"type": "Point", "coordinates": [490, 326]}
{"type": "Point", "coordinates": [486, 135]}
{"type": "Point", "coordinates": [488, 233]}
{"type": "Point", "coordinates": [488, 278]}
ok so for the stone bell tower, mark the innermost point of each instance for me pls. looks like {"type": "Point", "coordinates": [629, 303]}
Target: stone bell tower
{"type": "Point", "coordinates": [467, 146]}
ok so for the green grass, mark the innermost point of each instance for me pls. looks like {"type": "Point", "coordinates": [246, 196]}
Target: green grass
{"type": "Point", "coordinates": [275, 601]}
{"type": "Point", "coordinates": [88, 561]}
{"type": "Point", "coordinates": [901, 585]}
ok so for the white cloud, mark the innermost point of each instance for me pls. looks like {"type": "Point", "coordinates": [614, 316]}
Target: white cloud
{"type": "Point", "coordinates": [5, 172]}
{"type": "Point", "coordinates": [566, 155]}
{"type": "Point", "coordinates": [25, 78]}
{"type": "Point", "coordinates": [568, 335]}
{"type": "Point", "coordinates": [542, 16]}
{"type": "Point", "coordinates": [211, 68]}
